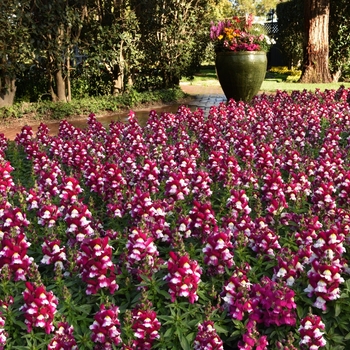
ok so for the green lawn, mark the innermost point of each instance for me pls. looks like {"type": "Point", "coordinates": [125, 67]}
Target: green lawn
{"type": "Point", "coordinates": [273, 81]}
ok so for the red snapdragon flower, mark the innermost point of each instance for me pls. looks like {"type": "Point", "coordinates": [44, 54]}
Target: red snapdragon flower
{"type": "Point", "coordinates": [63, 338]}
{"type": "Point", "coordinates": [13, 253]}
{"type": "Point", "coordinates": [142, 256]}
{"type": "Point", "coordinates": [311, 332]}
{"type": "Point", "coordinates": [183, 277]}
{"type": "Point", "coordinates": [218, 252]}
{"type": "Point", "coordinates": [207, 337]}
{"type": "Point", "coordinates": [39, 307]}
{"type": "Point", "coordinates": [53, 253]}
{"type": "Point", "coordinates": [106, 328]}
{"type": "Point", "coordinates": [97, 268]}
{"type": "Point", "coordinates": [145, 326]}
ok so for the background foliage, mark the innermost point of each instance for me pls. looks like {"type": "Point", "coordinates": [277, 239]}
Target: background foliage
{"type": "Point", "coordinates": [72, 49]}
{"type": "Point", "coordinates": [291, 29]}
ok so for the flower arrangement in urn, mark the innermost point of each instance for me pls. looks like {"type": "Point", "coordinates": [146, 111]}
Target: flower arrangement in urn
{"type": "Point", "coordinates": [238, 34]}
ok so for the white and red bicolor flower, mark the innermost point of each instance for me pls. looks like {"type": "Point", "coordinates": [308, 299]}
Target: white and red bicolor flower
{"type": "Point", "coordinates": [106, 327]}
{"type": "Point", "coordinates": [6, 181]}
{"type": "Point", "coordinates": [96, 266]}
{"type": "Point", "coordinates": [145, 326]}
{"type": "Point", "coordinates": [63, 338]}
{"type": "Point", "coordinates": [327, 265]}
{"type": "Point", "coordinates": [288, 267]}
{"type": "Point", "coordinates": [142, 253]}
{"type": "Point", "coordinates": [207, 337]}
{"type": "Point", "coordinates": [53, 253]}
{"type": "Point", "coordinates": [25, 136]}
{"type": "Point", "coordinates": [238, 203]}
{"type": "Point", "coordinates": [11, 218]}
{"type": "Point", "coordinates": [236, 293]}
{"type": "Point", "coordinates": [69, 190]}
{"type": "Point", "coordinates": [39, 307]}
{"type": "Point", "coordinates": [176, 186]}
{"type": "Point", "coordinates": [13, 254]}
{"type": "Point", "coordinates": [78, 219]}
{"type": "Point", "coordinates": [202, 221]}
{"type": "Point", "coordinates": [183, 277]}
{"type": "Point", "coordinates": [311, 332]}
{"type": "Point", "coordinates": [48, 214]}
{"type": "Point", "coordinates": [218, 252]}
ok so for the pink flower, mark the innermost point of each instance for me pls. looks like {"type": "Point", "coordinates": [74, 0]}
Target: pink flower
{"type": "Point", "coordinates": [6, 181]}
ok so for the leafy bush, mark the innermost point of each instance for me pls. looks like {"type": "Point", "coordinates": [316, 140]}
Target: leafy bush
{"type": "Point", "coordinates": [57, 111]}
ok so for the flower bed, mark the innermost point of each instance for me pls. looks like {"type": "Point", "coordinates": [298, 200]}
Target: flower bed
{"type": "Point", "coordinates": [191, 232]}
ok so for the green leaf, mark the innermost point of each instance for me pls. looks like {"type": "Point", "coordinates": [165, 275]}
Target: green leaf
{"type": "Point", "coordinates": [169, 333]}
{"type": "Point", "coordinates": [220, 329]}
{"type": "Point", "coordinates": [184, 342]}
{"type": "Point", "coordinates": [300, 311]}
{"type": "Point", "coordinates": [337, 310]}
{"type": "Point", "coordinates": [21, 324]}
{"type": "Point", "coordinates": [339, 339]}
{"type": "Point", "coordinates": [164, 293]}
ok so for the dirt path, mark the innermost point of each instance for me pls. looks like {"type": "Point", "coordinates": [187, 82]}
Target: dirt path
{"type": "Point", "coordinates": [11, 127]}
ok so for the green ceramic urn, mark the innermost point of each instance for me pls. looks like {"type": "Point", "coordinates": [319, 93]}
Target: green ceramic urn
{"type": "Point", "coordinates": [241, 73]}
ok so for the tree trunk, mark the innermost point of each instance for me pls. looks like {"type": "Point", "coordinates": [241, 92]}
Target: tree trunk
{"type": "Point", "coordinates": [7, 92]}
{"type": "Point", "coordinates": [58, 94]}
{"type": "Point", "coordinates": [68, 84]}
{"type": "Point", "coordinates": [316, 46]}
{"type": "Point", "coordinates": [117, 86]}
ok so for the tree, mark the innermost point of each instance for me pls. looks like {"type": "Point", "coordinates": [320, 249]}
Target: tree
{"type": "Point", "coordinates": [290, 31]}
{"type": "Point", "coordinates": [14, 46]}
{"type": "Point", "coordinates": [316, 44]}
{"type": "Point", "coordinates": [55, 27]}
{"type": "Point", "coordinates": [111, 41]}
{"type": "Point", "coordinates": [172, 37]}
